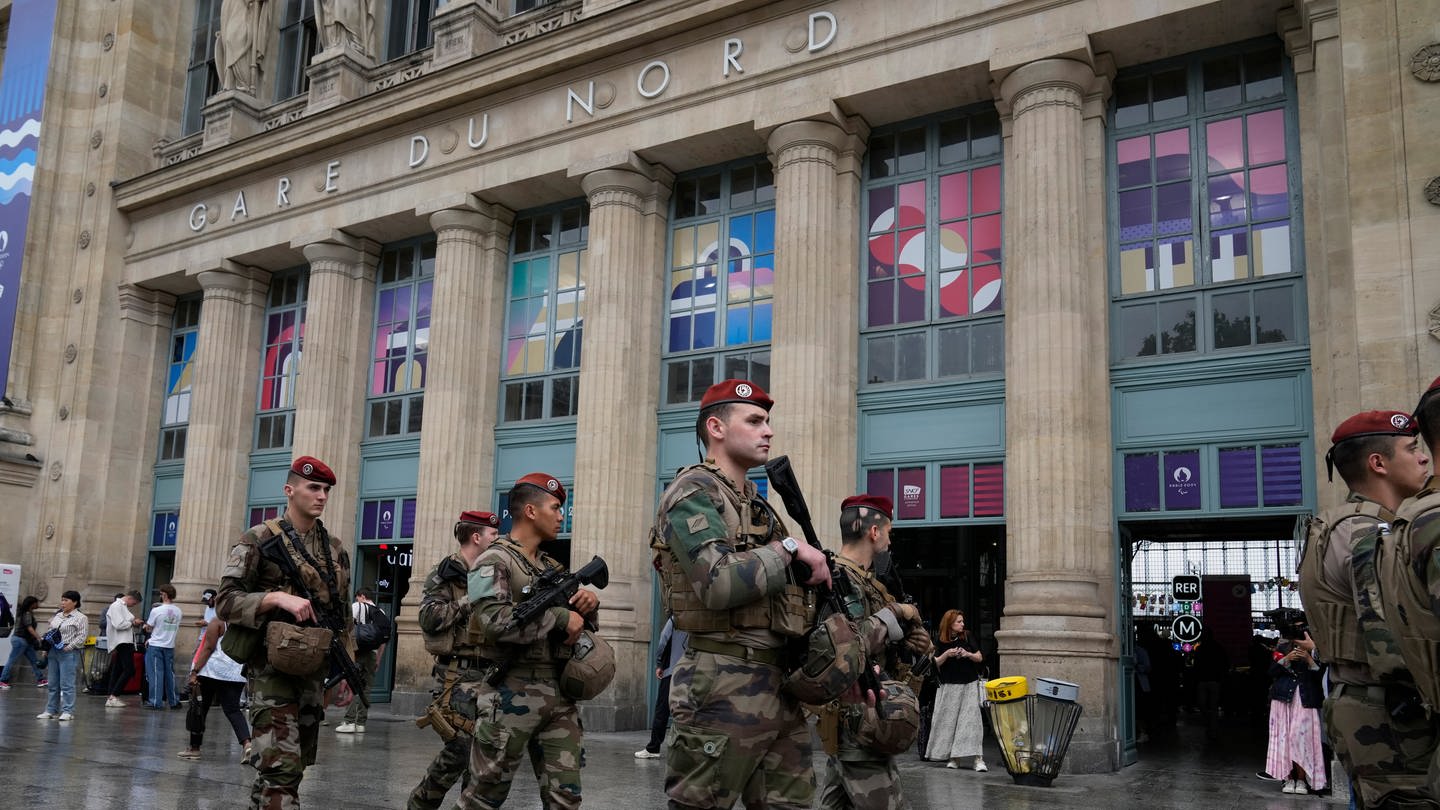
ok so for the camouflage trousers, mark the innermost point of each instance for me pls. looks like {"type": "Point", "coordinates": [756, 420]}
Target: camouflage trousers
{"type": "Point", "coordinates": [285, 714]}
{"type": "Point", "coordinates": [452, 764]}
{"type": "Point", "coordinates": [734, 737]}
{"type": "Point", "coordinates": [1386, 749]}
{"type": "Point", "coordinates": [859, 780]}
{"type": "Point", "coordinates": [522, 712]}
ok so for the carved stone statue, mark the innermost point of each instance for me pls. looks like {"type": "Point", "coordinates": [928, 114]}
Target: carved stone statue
{"type": "Point", "coordinates": [240, 45]}
{"type": "Point", "coordinates": [347, 23]}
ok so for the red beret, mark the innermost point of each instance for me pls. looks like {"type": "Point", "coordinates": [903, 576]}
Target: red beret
{"type": "Point", "coordinates": [736, 391]}
{"type": "Point", "coordinates": [1375, 423]}
{"type": "Point", "coordinates": [313, 469]}
{"type": "Point", "coordinates": [879, 503]}
{"type": "Point", "coordinates": [479, 518]}
{"type": "Point", "coordinates": [546, 482]}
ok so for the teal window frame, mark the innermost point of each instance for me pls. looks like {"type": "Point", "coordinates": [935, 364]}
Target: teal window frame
{"type": "Point", "coordinates": [184, 330]}
{"type": "Point", "coordinates": [399, 415]}
{"type": "Point", "coordinates": [275, 427]}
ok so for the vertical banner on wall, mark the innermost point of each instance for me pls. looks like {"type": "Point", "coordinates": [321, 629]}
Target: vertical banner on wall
{"type": "Point", "coordinates": [22, 98]}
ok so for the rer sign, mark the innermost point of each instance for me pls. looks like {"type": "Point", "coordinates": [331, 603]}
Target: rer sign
{"type": "Point", "coordinates": [1186, 588]}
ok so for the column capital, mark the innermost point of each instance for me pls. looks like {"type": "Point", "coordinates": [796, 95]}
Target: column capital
{"type": "Point", "coordinates": [467, 212]}
{"type": "Point", "coordinates": [144, 305]}
{"type": "Point", "coordinates": [644, 187]}
{"type": "Point", "coordinates": [1016, 91]}
{"type": "Point", "coordinates": [234, 282]}
{"type": "Point", "coordinates": [823, 135]}
{"type": "Point", "coordinates": [337, 251]}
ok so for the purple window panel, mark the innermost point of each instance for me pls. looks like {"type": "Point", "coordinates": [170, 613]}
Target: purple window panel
{"type": "Point", "coordinates": [1182, 480]}
{"type": "Point", "coordinates": [1172, 155]}
{"type": "Point", "coordinates": [989, 490]}
{"type": "Point", "coordinates": [1238, 487]}
{"type": "Point", "coordinates": [1142, 482]}
{"type": "Point", "coordinates": [1282, 480]}
{"type": "Point", "coordinates": [1173, 212]}
{"type": "Point", "coordinates": [407, 518]}
{"type": "Point", "coordinates": [1132, 158]}
{"type": "Point", "coordinates": [912, 300]}
{"type": "Point", "coordinates": [911, 504]}
{"type": "Point", "coordinates": [1135, 214]}
{"type": "Point", "coordinates": [880, 482]}
{"type": "Point", "coordinates": [385, 527]}
{"type": "Point", "coordinates": [370, 519]}
{"type": "Point", "coordinates": [955, 491]}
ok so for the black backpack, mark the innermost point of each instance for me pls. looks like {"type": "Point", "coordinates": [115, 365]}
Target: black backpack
{"type": "Point", "coordinates": [374, 631]}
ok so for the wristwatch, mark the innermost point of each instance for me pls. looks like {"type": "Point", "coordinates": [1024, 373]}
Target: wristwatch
{"type": "Point", "coordinates": [790, 545]}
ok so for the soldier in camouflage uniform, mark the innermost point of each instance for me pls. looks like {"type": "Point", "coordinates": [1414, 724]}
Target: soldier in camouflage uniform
{"type": "Point", "coordinates": [857, 778]}
{"type": "Point", "coordinates": [1407, 560]}
{"type": "Point", "coordinates": [724, 561]}
{"type": "Point", "coordinates": [445, 623]}
{"type": "Point", "coordinates": [527, 704]}
{"type": "Point", "coordinates": [285, 710]}
{"type": "Point", "coordinates": [1372, 714]}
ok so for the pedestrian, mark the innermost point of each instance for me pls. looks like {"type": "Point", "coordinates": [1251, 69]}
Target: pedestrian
{"type": "Point", "coordinates": [527, 704]}
{"type": "Point", "coordinates": [1408, 589]}
{"type": "Point", "coordinates": [672, 648]}
{"type": "Point", "coordinates": [957, 731]}
{"type": "Point", "coordinates": [215, 678]}
{"type": "Point", "coordinates": [1294, 751]}
{"type": "Point", "coordinates": [367, 661]}
{"type": "Point", "coordinates": [258, 601]}
{"type": "Point", "coordinates": [859, 774]}
{"type": "Point", "coordinates": [24, 641]}
{"type": "Point", "coordinates": [724, 561]}
{"type": "Point", "coordinates": [120, 626]}
{"type": "Point", "coordinates": [1211, 667]}
{"type": "Point", "coordinates": [65, 657]}
{"type": "Point", "coordinates": [1373, 715]}
{"type": "Point", "coordinates": [163, 625]}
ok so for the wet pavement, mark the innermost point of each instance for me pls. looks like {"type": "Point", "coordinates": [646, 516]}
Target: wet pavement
{"type": "Point", "coordinates": [125, 758]}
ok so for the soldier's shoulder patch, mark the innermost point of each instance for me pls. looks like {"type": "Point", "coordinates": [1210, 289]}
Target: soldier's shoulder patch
{"type": "Point", "coordinates": [487, 571]}
{"type": "Point", "coordinates": [697, 523]}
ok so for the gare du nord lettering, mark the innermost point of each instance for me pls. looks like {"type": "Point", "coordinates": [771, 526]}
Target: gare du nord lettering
{"type": "Point", "coordinates": [651, 82]}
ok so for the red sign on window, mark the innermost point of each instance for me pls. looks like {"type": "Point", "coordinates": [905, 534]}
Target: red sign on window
{"type": "Point", "coordinates": [911, 503]}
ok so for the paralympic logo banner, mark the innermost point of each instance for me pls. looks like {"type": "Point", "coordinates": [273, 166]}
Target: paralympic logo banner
{"type": "Point", "coordinates": [22, 98]}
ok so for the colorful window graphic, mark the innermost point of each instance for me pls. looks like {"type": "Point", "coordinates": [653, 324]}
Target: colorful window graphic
{"type": "Point", "coordinates": [1203, 198]}
{"type": "Point", "coordinates": [545, 322]}
{"type": "Point", "coordinates": [1179, 486]}
{"type": "Point", "coordinates": [387, 519]}
{"type": "Point", "coordinates": [933, 251]}
{"type": "Point", "coordinates": [163, 529]}
{"type": "Point", "coordinates": [966, 490]}
{"type": "Point", "coordinates": [280, 361]}
{"type": "Point", "coordinates": [721, 277]}
{"type": "Point", "coordinates": [401, 344]}
{"type": "Point", "coordinates": [184, 335]}
{"type": "Point", "coordinates": [1248, 477]}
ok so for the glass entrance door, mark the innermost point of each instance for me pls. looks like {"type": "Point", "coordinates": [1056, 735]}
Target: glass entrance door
{"type": "Point", "coordinates": [384, 568]}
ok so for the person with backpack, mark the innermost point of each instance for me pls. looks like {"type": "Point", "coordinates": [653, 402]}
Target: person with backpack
{"type": "Point", "coordinates": [372, 631]}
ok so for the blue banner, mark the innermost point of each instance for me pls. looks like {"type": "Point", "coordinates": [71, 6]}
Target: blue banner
{"type": "Point", "coordinates": [22, 98]}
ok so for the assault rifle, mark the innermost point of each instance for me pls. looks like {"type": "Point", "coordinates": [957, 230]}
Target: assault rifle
{"type": "Point", "coordinates": [892, 580]}
{"type": "Point", "coordinates": [841, 594]}
{"type": "Point", "coordinates": [553, 588]}
{"type": "Point", "coordinates": [345, 669]}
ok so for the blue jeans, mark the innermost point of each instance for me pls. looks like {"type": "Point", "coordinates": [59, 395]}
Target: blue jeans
{"type": "Point", "coordinates": [63, 665]}
{"type": "Point", "coordinates": [19, 648]}
{"type": "Point", "coordinates": [160, 673]}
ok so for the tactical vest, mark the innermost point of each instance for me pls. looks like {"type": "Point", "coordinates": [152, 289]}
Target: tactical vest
{"type": "Point", "coordinates": [1382, 648]}
{"type": "Point", "coordinates": [1404, 597]}
{"type": "Point", "coordinates": [461, 638]}
{"type": "Point", "coordinates": [876, 596]}
{"type": "Point", "coordinates": [788, 613]}
{"type": "Point", "coordinates": [1331, 611]}
{"type": "Point", "coordinates": [508, 553]}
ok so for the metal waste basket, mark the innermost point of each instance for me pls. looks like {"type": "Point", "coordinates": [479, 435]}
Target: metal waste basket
{"type": "Point", "coordinates": [1034, 727]}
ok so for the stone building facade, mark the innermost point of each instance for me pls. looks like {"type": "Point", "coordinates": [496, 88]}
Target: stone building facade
{"type": "Point", "coordinates": [1016, 264]}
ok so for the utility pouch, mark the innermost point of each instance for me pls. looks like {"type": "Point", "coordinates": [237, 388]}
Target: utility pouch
{"type": "Point", "coordinates": [297, 650]}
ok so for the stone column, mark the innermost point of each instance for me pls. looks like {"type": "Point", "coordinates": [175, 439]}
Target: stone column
{"type": "Point", "coordinates": [330, 394]}
{"type": "Point", "coordinates": [814, 354]}
{"type": "Point", "coordinates": [1059, 524]}
{"type": "Point", "coordinates": [217, 441]}
{"type": "Point", "coordinates": [619, 384]}
{"type": "Point", "coordinates": [456, 465]}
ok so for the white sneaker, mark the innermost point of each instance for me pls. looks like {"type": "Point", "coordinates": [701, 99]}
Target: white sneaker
{"type": "Point", "coordinates": [646, 754]}
{"type": "Point", "coordinates": [45, 716]}
{"type": "Point", "coordinates": [980, 764]}
{"type": "Point", "coordinates": [954, 763]}
{"type": "Point", "coordinates": [349, 728]}
{"type": "Point", "coordinates": [1289, 786]}
{"type": "Point", "coordinates": [113, 702]}
{"type": "Point", "coordinates": [64, 716]}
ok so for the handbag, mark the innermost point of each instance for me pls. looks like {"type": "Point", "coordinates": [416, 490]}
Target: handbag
{"type": "Point", "coordinates": [51, 640]}
{"type": "Point", "coordinates": [195, 713]}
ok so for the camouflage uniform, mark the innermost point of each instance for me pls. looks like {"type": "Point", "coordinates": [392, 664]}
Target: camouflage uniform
{"type": "Point", "coordinates": [856, 778]}
{"type": "Point", "coordinates": [285, 710]}
{"type": "Point", "coordinates": [734, 734]}
{"type": "Point", "coordinates": [527, 706]}
{"type": "Point", "coordinates": [1372, 715]}
{"type": "Point", "coordinates": [444, 619]}
{"type": "Point", "coordinates": [1408, 566]}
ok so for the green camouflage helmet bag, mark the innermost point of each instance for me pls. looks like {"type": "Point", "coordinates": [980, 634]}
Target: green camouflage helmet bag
{"type": "Point", "coordinates": [834, 657]}
{"type": "Point", "coordinates": [590, 669]}
{"type": "Point", "coordinates": [892, 724]}
{"type": "Point", "coordinates": [297, 650]}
